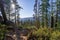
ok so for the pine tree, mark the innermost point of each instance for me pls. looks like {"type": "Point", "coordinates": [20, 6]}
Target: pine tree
{"type": "Point", "coordinates": [45, 5]}
{"type": "Point", "coordinates": [37, 21]}
{"type": "Point", "coordinates": [52, 14]}
{"type": "Point", "coordinates": [58, 9]}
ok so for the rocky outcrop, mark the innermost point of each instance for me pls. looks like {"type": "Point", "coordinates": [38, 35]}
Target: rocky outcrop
{"type": "Point", "coordinates": [22, 34]}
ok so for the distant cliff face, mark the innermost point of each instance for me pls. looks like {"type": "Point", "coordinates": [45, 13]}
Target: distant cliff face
{"type": "Point", "coordinates": [25, 19]}
{"type": "Point", "coordinates": [28, 18]}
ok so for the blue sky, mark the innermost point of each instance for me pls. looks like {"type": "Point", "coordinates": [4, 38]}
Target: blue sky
{"type": "Point", "coordinates": [27, 10]}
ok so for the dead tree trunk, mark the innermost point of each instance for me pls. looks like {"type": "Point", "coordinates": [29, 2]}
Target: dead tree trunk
{"type": "Point", "coordinates": [2, 11]}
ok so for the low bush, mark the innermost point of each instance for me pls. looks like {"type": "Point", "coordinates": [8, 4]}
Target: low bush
{"type": "Point", "coordinates": [45, 34]}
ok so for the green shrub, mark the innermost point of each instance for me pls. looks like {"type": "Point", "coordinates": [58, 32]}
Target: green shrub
{"type": "Point", "coordinates": [2, 31]}
{"type": "Point", "coordinates": [55, 35]}
{"type": "Point", "coordinates": [46, 34]}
